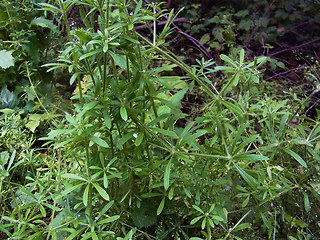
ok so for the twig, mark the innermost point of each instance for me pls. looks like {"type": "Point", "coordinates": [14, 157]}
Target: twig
{"type": "Point", "coordinates": [282, 73]}
{"type": "Point", "coordinates": [295, 47]}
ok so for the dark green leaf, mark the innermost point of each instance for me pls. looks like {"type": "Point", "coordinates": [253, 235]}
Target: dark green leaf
{"type": "Point", "coordinates": [296, 157]}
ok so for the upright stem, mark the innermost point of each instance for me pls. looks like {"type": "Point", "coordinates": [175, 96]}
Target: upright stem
{"type": "Point", "coordinates": [89, 206]}
{"type": "Point", "coordinates": [208, 231]}
{"type": "Point", "coordinates": [66, 21]}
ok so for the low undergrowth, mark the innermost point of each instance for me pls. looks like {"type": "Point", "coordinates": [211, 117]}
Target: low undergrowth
{"type": "Point", "coordinates": [125, 162]}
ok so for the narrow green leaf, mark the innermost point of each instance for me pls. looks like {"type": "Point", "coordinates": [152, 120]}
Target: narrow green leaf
{"type": "Point", "coordinates": [86, 55]}
{"type": "Point", "coordinates": [296, 157]}
{"type": "Point", "coordinates": [43, 211]}
{"type": "Point", "coordinates": [197, 208]}
{"type": "Point", "coordinates": [109, 219]}
{"type": "Point", "coordinates": [306, 202]}
{"type": "Point", "coordinates": [233, 108]}
{"type": "Point", "coordinates": [236, 79]}
{"type": "Point", "coordinates": [251, 157]}
{"type": "Point", "coordinates": [27, 192]}
{"type": "Point", "coordinates": [74, 77]}
{"type": "Point", "coordinates": [94, 236]}
{"type": "Point", "coordinates": [210, 222]}
{"type": "Point", "coordinates": [74, 234]}
{"type": "Point", "coordinates": [13, 155]}
{"type": "Point", "coordinates": [212, 207]}
{"type": "Point", "coordinates": [150, 195]}
{"type": "Point", "coordinates": [47, 6]}
{"type": "Point", "coordinates": [241, 56]}
{"type": "Point", "coordinates": [86, 195]}
{"type": "Point", "coordinates": [204, 222]}
{"type": "Point", "coordinates": [193, 221]}
{"type": "Point", "coordinates": [101, 191]}
{"type": "Point", "coordinates": [218, 218]}
{"type": "Point", "coordinates": [139, 139]}
{"type": "Point", "coordinates": [223, 68]}
{"type": "Point", "coordinates": [70, 189]}
{"type": "Point", "coordinates": [241, 227]}
{"type": "Point", "coordinates": [105, 209]}
{"type": "Point", "coordinates": [107, 119]}
{"type": "Point", "coordinates": [166, 178]}
{"type": "Point", "coordinates": [73, 176]}
{"type": "Point", "coordinates": [161, 205]}
{"type": "Point", "coordinates": [123, 113]}
{"type": "Point", "coordinates": [228, 60]}
{"type": "Point", "coordinates": [105, 180]}
{"type": "Point", "coordinates": [249, 179]}
{"type": "Point", "coordinates": [171, 192]}
{"type": "Point", "coordinates": [99, 141]}
{"type": "Point", "coordinates": [165, 132]}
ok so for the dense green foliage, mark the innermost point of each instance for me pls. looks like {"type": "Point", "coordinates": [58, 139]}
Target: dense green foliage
{"type": "Point", "coordinates": [122, 158]}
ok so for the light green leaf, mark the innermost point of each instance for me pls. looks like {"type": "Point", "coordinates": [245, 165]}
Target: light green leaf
{"type": "Point", "coordinates": [32, 125]}
{"type": "Point", "coordinates": [101, 191]}
{"type": "Point", "coordinates": [193, 221]}
{"type": "Point", "coordinates": [86, 195]}
{"type": "Point", "coordinates": [161, 205]}
{"type": "Point", "coordinates": [107, 119]}
{"type": "Point", "coordinates": [166, 178]}
{"type": "Point", "coordinates": [204, 222]}
{"type": "Point", "coordinates": [139, 139]}
{"type": "Point", "coordinates": [306, 202]}
{"type": "Point", "coordinates": [123, 113]}
{"type": "Point", "coordinates": [99, 141]}
{"type": "Point", "coordinates": [105, 180]}
{"type": "Point", "coordinates": [105, 209]}
{"type": "Point", "coordinates": [74, 77]}
{"type": "Point", "coordinates": [73, 176]}
{"type": "Point", "coordinates": [70, 189]}
{"type": "Point", "coordinates": [86, 55]}
{"type": "Point", "coordinates": [109, 219]}
{"type": "Point", "coordinates": [251, 157]}
{"type": "Point", "coordinates": [45, 23]}
{"type": "Point", "coordinates": [241, 56]}
{"type": "Point", "coordinates": [94, 236]}
{"type": "Point", "coordinates": [120, 60]}
{"type": "Point", "coordinates": [241, 227]}
{"type": "Point", "coordinates": [228, 60]}
{"type": "Point", "coordinates": [218, 218]}
{"type": "Point", "coordinates": [171, 192]}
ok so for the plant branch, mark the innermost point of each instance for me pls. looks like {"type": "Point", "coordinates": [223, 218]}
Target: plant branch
{"type": "Point", "coordinates": [295, 47]}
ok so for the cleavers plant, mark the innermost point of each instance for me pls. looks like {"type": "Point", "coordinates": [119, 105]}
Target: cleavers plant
{"type": "Point", "coordinates": [121, 165]}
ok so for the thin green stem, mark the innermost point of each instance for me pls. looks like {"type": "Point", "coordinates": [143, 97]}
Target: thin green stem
{"type": "Point", "coordinates": [208, 231]}
{"type": "Point", "coordinates": [89, 206]}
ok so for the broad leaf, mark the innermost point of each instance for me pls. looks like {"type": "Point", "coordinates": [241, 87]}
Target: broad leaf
{"type": "Point", "coordinates": [6, 59]}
